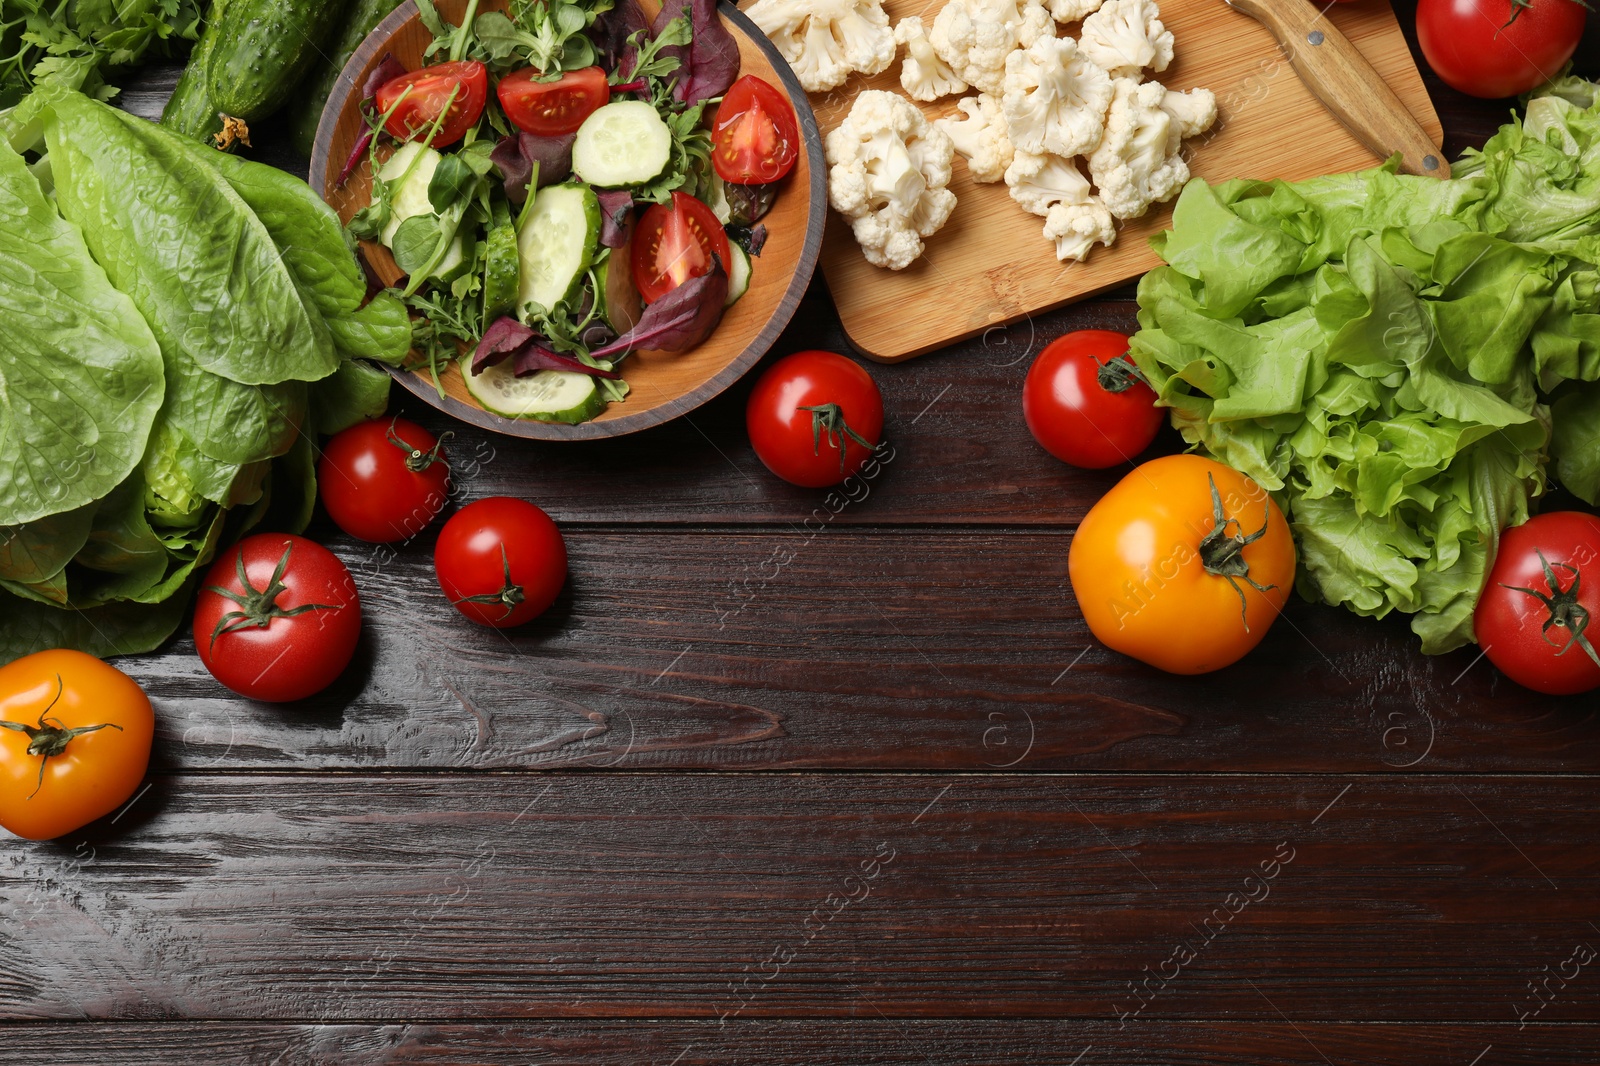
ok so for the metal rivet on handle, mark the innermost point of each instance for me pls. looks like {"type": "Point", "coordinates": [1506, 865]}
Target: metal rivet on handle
{"type": "Point", "coordinates": [1316, 38]}
{"type": "Point", "coordinates": [1430, 162]}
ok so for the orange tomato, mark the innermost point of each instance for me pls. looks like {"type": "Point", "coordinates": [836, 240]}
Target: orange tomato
{"type": "Point", "coordinates": [1184, 565]}
{"type": "Point", "coordinates": [74, 742]}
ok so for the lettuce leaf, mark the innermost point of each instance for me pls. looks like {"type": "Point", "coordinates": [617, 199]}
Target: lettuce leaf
{"type": "Point", "coordinates": [1378, 351]}
{"type": "Point", "coordinates": [80, 374]}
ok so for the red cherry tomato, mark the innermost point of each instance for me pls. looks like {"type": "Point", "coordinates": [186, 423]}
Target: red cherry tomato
{"type": "Point", "coordinates": [278, 618]}
{"type": "Point", "coordinates": [425, 93]}
{"type": "Point", "coordinates": [1494, 49]}
{"type": "Point", "coordinates": [756, 137]}
{"type": "Point", "coordinates": [552, 108]}
{"type": "Point", "coordinates": [1085, 403]}
{"type": "Point", "coordinates": [815, 418]}
{"type": "Point", "coordinates": [501, 561]}
{"type": "Point", "coordinates": [1539, 618]}
{"type": "Point", "coordinates": [384, 481]}
{"type": "Point", "coordinates": [675, 243]}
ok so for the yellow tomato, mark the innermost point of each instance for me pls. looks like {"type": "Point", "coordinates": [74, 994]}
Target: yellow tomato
{"type": "Point", "coordinates": [1184, 565]}
{"type": "Point", "coordinates": [74, 742]}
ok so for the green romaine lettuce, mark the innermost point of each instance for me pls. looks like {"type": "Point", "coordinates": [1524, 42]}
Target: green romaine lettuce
{"type": "Point", "coordinates": [80, 374]}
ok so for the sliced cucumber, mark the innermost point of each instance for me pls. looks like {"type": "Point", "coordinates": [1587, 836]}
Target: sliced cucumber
{"type": "Point", "coordinates": [545, 395]}
{"type": "Point", "coordinates": [738, 273]}
{"type": "Point", "coordinates": [501, 274]}
{"type": "Point", "coordinates": [622, 144]}
{"type": "Point", "coordinates": [412, 167]}
{"type": "Point", "coordinates": [557, 243]}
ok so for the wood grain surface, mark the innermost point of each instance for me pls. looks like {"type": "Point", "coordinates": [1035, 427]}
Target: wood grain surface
{"type": "Point", "coordinates": [589, 840]}
{"type": "Point", "coordinates": [664, 385]}
{"type": "Point", "coordinates": [872, 1041]}
{"type": "Point", "coordinates": [991, 264]}
{"type": "Point", "coordinates": [361, 898]}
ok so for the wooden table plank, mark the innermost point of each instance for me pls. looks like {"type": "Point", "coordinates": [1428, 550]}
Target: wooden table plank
{"type": "Point", "coordinates": [369, 898]}
{"type": "Point", "coordinates": [853, 1042]}
{"type": "Point", "coordinates": [849, 648]}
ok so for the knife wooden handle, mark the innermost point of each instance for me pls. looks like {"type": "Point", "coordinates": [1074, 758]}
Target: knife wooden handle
{"type": "Point", "coordinates": [1342, 79]}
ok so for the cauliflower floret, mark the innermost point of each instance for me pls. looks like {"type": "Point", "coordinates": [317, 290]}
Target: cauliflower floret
{"type": "Point", "coordinates": [975, 36]}
{"type": "Point", "coordinates": [1193, 112]}
{"type": "Point", "coordinates": [888, 172]}
{"type": "Point", "coordinates": [1038, 182]}
{"type": "Point", "coordinates": [1137, 163]}
{"type": "Point", "coordinates": [1076, 228]}
{"type": "Point", "coordinates": [1126, 36]}
{"type": "Point", "coordinates": [981, 138]}
{"type": "Point", "coordinates": [1073, 10]}
{"type": "Point", "coordinates": [923, 75]}
{"type": "Point", "coordinates": [1055, 99]}
{"type": "Point", "coordinates": [825, 40]}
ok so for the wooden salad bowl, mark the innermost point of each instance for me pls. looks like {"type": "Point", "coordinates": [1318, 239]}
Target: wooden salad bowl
{"type": "Point", "coordinates": [663, 385]}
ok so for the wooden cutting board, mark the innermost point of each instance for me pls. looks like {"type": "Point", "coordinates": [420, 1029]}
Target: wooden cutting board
{"type": "Point", "coordinates": [991, 264]}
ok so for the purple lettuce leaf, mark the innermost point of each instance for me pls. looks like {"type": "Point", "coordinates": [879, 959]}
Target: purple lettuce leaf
{"type": "Point", "coordinates": [615, 206]}
{"type": "Point", "coordinates": [499, 342]}
{"type": "Point", "coordinates": [515, 156]}
{"type": "Point", "coordinates": [710, 61]}
{"type": "Point", "coordinates": [533, 357]}
{"type": "Point", "coordinates": [681, 319]}
{"type": "Point", "coordinates": [388, 69]}
{"type": "Point", "coordinates": [758, 238]}
{"type": "Point", "coordinates": [509, 339]}
{"type": "Point", "coordinates": [611, 35]}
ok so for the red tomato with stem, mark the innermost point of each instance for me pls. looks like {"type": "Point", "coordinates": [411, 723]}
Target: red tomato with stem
{"type": "Point", "coordinates": [815, 418]}
{"type": "Point", "coordinates": [278, 618]}
{"type": "Point", "coordinates": [1086, 402]}
{"type": "Point", "coordinates": [1499, 48]}
{"type": "Point", "coordinates": [676, 242]}
{"type": "Point", "coordinates": [501, 561]}
{"type": "Point", "coordinates": [555, 107]}
{"type": "Point", "coordinates": [384, 481]}
{"type": "Point", "coordinates": [756, 137]}
{"type": "Point", "coordinates": [423, 95]}
{"type": "Point", "coordinates": [1539, 617]}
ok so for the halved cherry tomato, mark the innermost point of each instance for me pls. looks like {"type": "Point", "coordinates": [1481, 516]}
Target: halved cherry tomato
{"type": "Point", "coordinates": [674, 244]}
{"type": "Point", "coordinates": [756, 138]}
{"type": "Point", "coordinates": [552, 108]}
{"type": "Point", "coordinates": [430, 88]}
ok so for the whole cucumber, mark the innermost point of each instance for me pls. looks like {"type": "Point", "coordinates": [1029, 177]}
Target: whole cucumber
{"type": "Point", "coordinates": [362, 19]}
{"type": "Point", "coordinates": [264, 48]}
{"type": "Point", "coordinates": [190, 111]}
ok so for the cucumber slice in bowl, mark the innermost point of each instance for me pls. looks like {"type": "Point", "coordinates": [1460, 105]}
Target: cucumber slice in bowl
{"type": "Point", "coordinates": [738, 274]}
{"type": "Point", "coordinates": [545, 395]}
{"type": "Point", "coordinates": [556, 244]}
{"type": "Point", "coordinates": [622, 144]}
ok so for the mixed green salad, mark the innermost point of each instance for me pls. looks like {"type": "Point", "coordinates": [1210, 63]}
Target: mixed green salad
{"type": "Point", "coordinates": [556, 198]}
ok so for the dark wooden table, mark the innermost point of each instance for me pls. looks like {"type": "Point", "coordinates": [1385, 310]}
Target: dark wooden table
{"type": "Point", "coordinates": [787, 781]}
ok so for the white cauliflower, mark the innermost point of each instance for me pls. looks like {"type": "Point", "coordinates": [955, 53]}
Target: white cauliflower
{"type": "Point", "coordinates": [1076, 228]}
{"type": "Point", "coordinates": [1055, 99]}
{"type": "Point", "coordinates": [1137, 163]}
{"type": "Point", "coordinates": [1073, 10]}
{"type": "Point", "coordinates": [975, 36]}
{"type": "Point", "coordinates": [923, 75]}
{"type": "Point", "coordinates": [826, 40]}
{"type": "Point", "coordinates": [1193, 112]}
{"type": "Point", "coordinates": [1054, 187]}
{"type": "Point", "coordinates": [888, 172]}
{"type": "Point", "coordinates": [981, 138]}
{"type": "Point", "coordinates": [1126, 36]}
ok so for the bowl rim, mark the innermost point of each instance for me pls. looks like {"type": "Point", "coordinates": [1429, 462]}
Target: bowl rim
{"type": "Point", "coordinates": [799, 282]}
